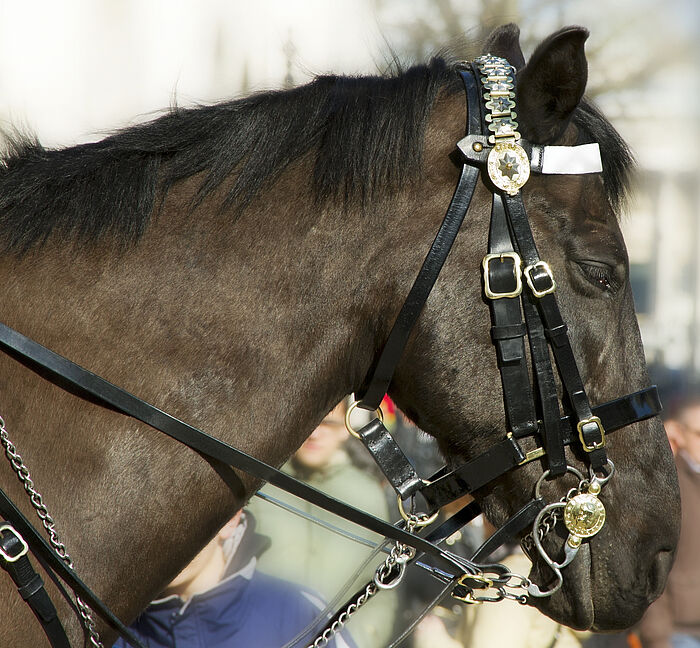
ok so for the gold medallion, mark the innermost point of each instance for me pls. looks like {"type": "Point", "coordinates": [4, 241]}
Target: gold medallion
{"type": "Point", "coordinates": [584, 515]}
{"type": "Point", "coordinates": [508, 166]}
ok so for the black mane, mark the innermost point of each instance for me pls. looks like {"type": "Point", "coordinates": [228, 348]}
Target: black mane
{"type": "Point", "coordinates": [366, 132]}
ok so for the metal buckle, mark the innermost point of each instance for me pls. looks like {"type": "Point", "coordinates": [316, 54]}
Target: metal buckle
{"type": "Point", "coordinates": [601, 429]}
{"type": "Point", "coordinates": [517, 266]}
{"type": "Point", "coordinates": [532, 455]}
{"type": "Point", "coordinates": [23, 551]}
{"type": "Point", "coordinates": [544, 266]}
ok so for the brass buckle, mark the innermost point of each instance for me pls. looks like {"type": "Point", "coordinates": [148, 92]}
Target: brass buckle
{"type": "Point", "coordinates": [22, 552]}
{"type": "Point", "coordinates": [468, 598]}
{"type": "Point", "coordinates": [517, 271]}
{"type": "Point", "coordinates": [601, 429]}
{"type": "Point", "coordinates": [542, 265]}
{"type": "Point", "coordinates": [532, 455]}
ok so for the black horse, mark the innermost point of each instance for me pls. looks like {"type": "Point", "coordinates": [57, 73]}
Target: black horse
{"type": "Point", "coordinates": [240, 265]}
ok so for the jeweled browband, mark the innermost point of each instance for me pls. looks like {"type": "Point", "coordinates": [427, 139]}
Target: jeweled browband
{"type": "Point", "coordinates": [507, 162]}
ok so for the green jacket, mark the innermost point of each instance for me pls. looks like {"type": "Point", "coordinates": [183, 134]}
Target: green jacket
{"type": "Point", "coordinates": [317, 558]}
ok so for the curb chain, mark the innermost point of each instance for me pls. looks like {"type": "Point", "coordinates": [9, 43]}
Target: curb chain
{"type": "Point", "coordinates": [49, 524]}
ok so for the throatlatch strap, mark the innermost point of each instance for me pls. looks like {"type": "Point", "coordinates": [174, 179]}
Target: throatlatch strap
{"type": "Point", "coordinates": [376, 383]}
{"type": "Point", "coordinates": [378, 380]}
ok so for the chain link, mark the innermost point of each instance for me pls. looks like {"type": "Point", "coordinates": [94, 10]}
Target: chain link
{"type": "Point", "coordinates": [337, 625]}
{"type": "Point", "coordinates": [387, 576]}
{"type": "Point", "coordinates": [49, 524]}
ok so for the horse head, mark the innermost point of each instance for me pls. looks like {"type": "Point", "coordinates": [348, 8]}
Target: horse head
{"type": "Point", "coordinates": [448, 381]}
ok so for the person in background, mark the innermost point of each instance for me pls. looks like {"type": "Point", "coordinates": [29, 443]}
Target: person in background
{"type": "Point", "coordinates": [313, 556]}
{"type": "Point", "coordinates": [220, 600]}
{"type": "Point", "coordinates": [673, 620]}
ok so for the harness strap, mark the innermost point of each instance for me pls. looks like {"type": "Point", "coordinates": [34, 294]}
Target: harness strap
{"type": "Point", "coordinates": [15, 561]}
{"type": "Point", "coordinates": [444, 487]}
{"type": "Point", "coordinates": [377, 381]}
{"type": "Point", "coordinates": [546, 390]}
{"type": "Point", "coordinates": [503, 287]}
{"type": "Point", "coordinates": [51, 560]}
{"type": "Point", "coordinates": [68, 374]}
{"type": "Point", "coordinates": [506, 317]}
{"type": "Point", "coordinates": [541, 281]}
{"type": "Point", "coordinates": [390, 458]}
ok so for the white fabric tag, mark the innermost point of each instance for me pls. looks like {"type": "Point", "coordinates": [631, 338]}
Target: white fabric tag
{"type": "Point", "coordinates": [572, 159]}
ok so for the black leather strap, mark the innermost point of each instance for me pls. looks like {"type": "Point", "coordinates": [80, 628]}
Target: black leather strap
{"type": "Point", "coordinates": [554, 325]}
{"type": "Point", "coordinates": [377, 381]}
{"type": "Point", "coordinates": [547, 393]}
{"type": "Point", "coordinates": [453, 524]}
{"type": "Point", "coordinates": [390, 458]}
{"type": "Point", "coordinates": [50, 558]}
{"type": "Point", "coordinates": [72, 376]}
{"type": "Point", "coordinates": [508, 330]}
{"type": "Point", "coordinates": [379, 378]}
{"type": "Point", "coordinates": [445, 487]}
{"type": "Point", "coordinates": [523, 519]}
{"type": "Point", "coordinates": [31, 588]}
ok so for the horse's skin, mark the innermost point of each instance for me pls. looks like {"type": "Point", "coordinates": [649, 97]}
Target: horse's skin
{"type": "Point", "coordinates": [251, 319]}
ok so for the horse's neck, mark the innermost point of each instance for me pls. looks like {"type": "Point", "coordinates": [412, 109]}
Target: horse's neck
{"type": "Point", "coordinates": [239, 332]}
{"type": "Point", "coordinates": [250, 330]}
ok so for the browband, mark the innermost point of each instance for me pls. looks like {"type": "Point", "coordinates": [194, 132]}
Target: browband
{"type": "Point", "coordinates": [547, 160]}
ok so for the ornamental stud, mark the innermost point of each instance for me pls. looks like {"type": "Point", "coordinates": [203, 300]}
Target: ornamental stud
{"type": "Point", "coordinates": [584, 515]}
{"type": "Point", "coordinates": [508, 166]}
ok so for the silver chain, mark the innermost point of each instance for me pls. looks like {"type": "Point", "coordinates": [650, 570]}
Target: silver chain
{"type": "Point", "coordinates": [42, 512]}
{"type": "Point", "coordinates": [337, 625]}
{"type": "Point", "coordinates": [387, 576]}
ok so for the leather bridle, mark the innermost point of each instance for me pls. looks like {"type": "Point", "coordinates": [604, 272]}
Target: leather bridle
{"type": "Point", "coordinates": [521, 293]}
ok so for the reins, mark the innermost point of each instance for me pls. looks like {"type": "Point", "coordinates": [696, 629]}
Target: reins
{"type": "Point", "coordinates": [492, 149]}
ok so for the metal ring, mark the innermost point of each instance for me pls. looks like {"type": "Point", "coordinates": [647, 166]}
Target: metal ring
{"type": "Point", "coordinates": [392, 583]}
{"type": "Point", "coordinates": [351, 409]}
{"type": "Point", "coordinates": [420, 520]}
{"type": "Point", "coordinates": [546, 474]}
{"type": "Point", "coordinates": [605, 479]}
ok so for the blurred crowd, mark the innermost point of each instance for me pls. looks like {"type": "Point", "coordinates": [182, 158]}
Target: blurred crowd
{"type": "Point", "coordinates": [276, 572]}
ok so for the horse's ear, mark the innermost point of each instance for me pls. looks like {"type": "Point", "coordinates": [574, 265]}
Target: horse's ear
{"type": "Point", "coordinates": [504, 41]}
{"type": "Point", "coordinates": [551, 85]}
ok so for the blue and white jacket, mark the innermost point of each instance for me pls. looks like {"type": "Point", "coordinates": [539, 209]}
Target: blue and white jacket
{"type": "Point", "coordinates": [246, 609]}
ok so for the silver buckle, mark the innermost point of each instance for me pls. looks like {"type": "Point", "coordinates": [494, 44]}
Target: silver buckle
{"type": "Point", "coordinates": [23, 551]}
{"type": "Point", "coordinates": [517, 265]}
{"type": "Point", "coordinates": [541, 265]}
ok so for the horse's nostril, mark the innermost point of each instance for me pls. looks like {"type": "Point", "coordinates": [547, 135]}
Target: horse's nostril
{"type": "Point", "coordinates": [658, 573]}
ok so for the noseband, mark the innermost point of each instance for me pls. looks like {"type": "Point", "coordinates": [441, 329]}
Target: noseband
{"type": "Point", "coordinates": [521, 292]}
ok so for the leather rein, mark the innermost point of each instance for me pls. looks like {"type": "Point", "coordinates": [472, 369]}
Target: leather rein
{"type": "Point", "coordinates": [520, 289]}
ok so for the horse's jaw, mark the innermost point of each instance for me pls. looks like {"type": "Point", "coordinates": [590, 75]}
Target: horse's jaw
{"type": "Point", "coordinates": [582, 605]}
{"type": "Point", "coordinates": [573, 603]}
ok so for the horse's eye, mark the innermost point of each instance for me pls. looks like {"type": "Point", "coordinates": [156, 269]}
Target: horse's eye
{"type": "Point", "coordinates": [601, 275]}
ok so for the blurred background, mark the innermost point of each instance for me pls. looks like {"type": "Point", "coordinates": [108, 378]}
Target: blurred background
{"type": "Point", "coordinates": [73, 70]}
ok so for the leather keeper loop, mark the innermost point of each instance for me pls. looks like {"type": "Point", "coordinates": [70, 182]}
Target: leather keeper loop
{"type": "Point", "coordinates": [510, 351]}
{"type": "Point", "coordinates": [508, 331]}
{"type": "Point", "coordinates": [31, 588]}
{"type": "Point", "coordinates": [557, 334]}
{"type": "Point", "coordinates": [390, 459]}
